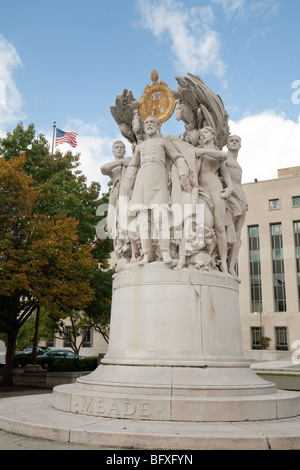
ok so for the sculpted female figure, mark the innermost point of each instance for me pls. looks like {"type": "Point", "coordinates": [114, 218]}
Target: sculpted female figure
{"type": "Point", "coordinates": [213, 161]}
{"type": "Point", "coordinates": [237, 201]}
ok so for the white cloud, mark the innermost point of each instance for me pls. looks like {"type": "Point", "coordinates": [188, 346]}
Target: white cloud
{"type": "Point", "coordinates": [195, 45]}
{"type": "Point", "coordinates": [269, 142]}
{"type": "Point", "coordinates": [231, 7]}
{"type": "Point", "coordinates": [94, 152]}
{"type": "Point", "coordinates": [246, 7]}
{"type": "Point", "coordinates": [10, 97]}
{"type": "Point", "coordinates": [265, 8]}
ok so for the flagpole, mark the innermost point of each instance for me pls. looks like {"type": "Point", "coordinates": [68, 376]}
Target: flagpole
{"type": "Point", "coordinates": [53, 138]}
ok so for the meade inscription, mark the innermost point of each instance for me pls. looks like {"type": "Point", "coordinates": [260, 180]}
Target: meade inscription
{"type": "Point", "coordinates": [119, 408]}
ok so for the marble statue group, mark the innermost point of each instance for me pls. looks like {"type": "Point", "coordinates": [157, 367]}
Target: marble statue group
{"type": "Point", "coordinates": [175, 215]}
{"type": "Point", "coordinates": [177, 199]}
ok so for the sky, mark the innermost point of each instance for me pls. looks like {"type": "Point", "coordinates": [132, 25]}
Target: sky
{"type": "Point", "coordinates": [67, 60]}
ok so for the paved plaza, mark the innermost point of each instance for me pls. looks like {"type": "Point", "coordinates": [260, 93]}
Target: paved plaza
{"type": "Point", "coordinates": [28, 411]}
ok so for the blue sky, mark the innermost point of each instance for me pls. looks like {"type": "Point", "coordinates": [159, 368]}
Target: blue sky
{"type": "Point", "coordinates": [66, 61]}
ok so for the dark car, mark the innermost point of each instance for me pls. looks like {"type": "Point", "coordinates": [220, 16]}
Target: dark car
{"type": "Point", "coordinates": [61, 353]}
{"type": "Point", "coordinates": [28, 350]}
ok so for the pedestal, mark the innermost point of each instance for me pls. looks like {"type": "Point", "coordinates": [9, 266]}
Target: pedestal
{"type": "Point", "coordinates": [175, 354]}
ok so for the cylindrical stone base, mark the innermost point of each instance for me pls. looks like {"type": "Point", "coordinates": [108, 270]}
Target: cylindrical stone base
{"type": "Point", "coordinates": [178, 318]}
{"type": "Point", "coordinates": [175, 353]}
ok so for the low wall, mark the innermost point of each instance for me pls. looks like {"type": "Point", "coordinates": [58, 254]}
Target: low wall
{"type": "Point", "coordinates": [58, 378]}
{"type": "Point", "coordinates": [48, 380]}
{"type": "Point", "coordinates": [282, 381]}
{"type": "Point", "coordinates": [44, 379]}
{"type": "Point", "coordinates": [266, 355]}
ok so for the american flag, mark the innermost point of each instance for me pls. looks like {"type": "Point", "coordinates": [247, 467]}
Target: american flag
{"type": "Point", "coordinates": [68, 137]}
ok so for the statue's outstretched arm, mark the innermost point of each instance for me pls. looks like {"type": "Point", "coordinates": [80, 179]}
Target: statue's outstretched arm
{"type": "Point", "coordinates": [214, 153]}
{"type": "Point", "coordinates": [107, 168]}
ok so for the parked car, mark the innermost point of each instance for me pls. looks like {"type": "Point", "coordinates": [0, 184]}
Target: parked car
{"type": "Point", "coordinates": [60, 353]}
{"type": "Point", "coordinates": [28, 350]}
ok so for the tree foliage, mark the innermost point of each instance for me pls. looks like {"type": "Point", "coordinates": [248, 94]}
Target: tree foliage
{"type": "Point", "coordinates": [41, 259]}
{"type": "Point", "coordinates": [49, 255]}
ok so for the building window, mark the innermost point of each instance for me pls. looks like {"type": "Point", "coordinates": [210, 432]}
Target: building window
{"type": "Point", "coordinates": [278, 268]}
{"type": "Point", "coordinates": [50, 343]}
{"type": "Point", "coordinates": [67, 336]}
{"type": "Point", "coordinates": [86, 337]}
{"type": "Point", "coordinates": [255, 272]}
{"type": "Point", "coordinates": [274, 204]}
{"type": "Point", "coordinates": [281, 338]}
{"type": "Point", "coordinates": [297, 247]}
{"type": "Point", "coordinates": [296, 201]}
{"type": "Point", "coordinates": [256, 334]}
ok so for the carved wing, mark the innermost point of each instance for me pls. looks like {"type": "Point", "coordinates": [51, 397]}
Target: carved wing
{"type": "Point", "coordinates": [200, 107]}
{"type": "Point", "coordinates": [123, 114]}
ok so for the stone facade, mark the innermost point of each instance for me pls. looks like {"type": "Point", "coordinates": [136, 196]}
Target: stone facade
{"type": "Point", "coordinates": [271, 202]}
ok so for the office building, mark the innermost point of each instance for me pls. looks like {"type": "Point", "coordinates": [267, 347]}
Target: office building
{"type": "Point", "coordinates": [269, 263]}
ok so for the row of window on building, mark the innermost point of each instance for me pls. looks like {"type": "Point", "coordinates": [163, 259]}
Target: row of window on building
{"type": "Point", "coordinates": [277, 265]}
{"type": "Point", "coordinates": [275, 203]}
{"type": "Point", "coordinates": [281, 337]}
{"type": "Point", "coordinates": [86, 338]}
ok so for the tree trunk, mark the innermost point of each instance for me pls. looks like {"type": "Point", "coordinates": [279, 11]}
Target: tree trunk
{"type": "Point", "coordinates": [36, 334]}
{"type": "Point", "coordinates": [10, 355]}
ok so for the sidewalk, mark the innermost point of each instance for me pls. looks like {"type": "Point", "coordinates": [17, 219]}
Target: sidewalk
{"type": "Point", "coordinates": [15, 442]}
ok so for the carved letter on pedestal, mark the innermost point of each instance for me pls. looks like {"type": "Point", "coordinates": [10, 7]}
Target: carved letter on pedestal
{"type": "Point", "coordinates": [130, 408]}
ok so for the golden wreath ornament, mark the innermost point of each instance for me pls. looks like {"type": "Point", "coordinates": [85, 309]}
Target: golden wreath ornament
{"type": "Point", "coordinates": [157, 100]}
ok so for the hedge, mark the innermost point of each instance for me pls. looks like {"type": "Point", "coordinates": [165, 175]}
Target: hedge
{"type": "Point", "coordinates": [53, 364]}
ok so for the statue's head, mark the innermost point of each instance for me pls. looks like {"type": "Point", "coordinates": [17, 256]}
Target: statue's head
{"type": "Point", "coordinates": [151, 125]}
{"type": "Point", "coordinates": [234, 142]}
{"type": "Point", "coordinates": [192, 137]}
{"type": "Point", "coordinates": [119, 149]}
{"type": "Point", "coordinates": [207, 134]}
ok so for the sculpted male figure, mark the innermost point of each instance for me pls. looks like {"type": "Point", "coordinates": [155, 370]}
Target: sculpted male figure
{"type": "Point", "coordinates": [212, 162]}
{"type": "Point", "coordinates": [147, 183]}
{"type": "Point", "coordinates": [116, 171]}
{"type": "Point", "coordinates": [237, 201]}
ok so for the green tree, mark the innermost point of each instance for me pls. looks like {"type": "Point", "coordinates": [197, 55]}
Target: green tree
{"type": "Point", "coordinates": [60, 187]}
{"type": "Point", "coordinates": [42, 262]}
{"type": "Point", "coordinates": [27, 331]}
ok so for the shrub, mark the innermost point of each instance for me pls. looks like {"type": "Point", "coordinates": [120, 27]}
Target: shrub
{"type": "Point", "coordinates": [265, 342]}
{"type": "Point", "coordinates": [53, 364]}
{"type": "Point", "coordinates": [22, 360]}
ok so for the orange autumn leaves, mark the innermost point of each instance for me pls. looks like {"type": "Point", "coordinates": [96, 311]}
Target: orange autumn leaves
{"type": "Point", "coordinates": [39, 254]}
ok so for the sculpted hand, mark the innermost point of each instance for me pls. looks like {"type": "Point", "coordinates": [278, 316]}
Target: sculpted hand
{"type": "Point", "coordinates": [226, 192]}
{"type": "Point", "coordinates": [185, 183]}
{"type": "Point", "coordinates": [125, 162]}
